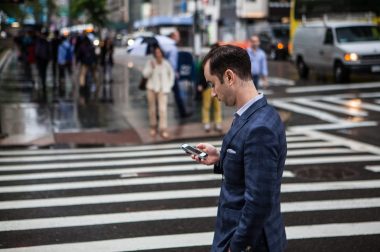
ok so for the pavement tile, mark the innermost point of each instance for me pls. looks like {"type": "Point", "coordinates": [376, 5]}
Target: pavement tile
{"type": "Point", "coordinates": [27, 140]}
{"type": "Point", "coordinates": [122, 137]}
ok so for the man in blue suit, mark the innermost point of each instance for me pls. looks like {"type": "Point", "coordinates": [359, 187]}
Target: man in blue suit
{"type": "Point", "coordinates": [251, 159]}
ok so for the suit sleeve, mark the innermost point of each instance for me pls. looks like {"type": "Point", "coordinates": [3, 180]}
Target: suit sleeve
{"type": "Point", "coordinates": [260, 169]}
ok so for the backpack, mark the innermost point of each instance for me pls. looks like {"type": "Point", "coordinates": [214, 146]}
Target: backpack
{"type": "Point", "coordinates": [65, 53]}
{"type": "Point", "coordinates": [68, 53]}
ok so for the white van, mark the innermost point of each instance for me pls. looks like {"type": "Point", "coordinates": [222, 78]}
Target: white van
{"type": "Point", "coordinates": [339, 48]}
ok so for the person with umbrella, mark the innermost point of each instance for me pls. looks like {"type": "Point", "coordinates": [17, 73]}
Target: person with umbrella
{"type": "Point", "coordinates": [160, 77]}
{"type": "Point", "coordinates": [142, 47]}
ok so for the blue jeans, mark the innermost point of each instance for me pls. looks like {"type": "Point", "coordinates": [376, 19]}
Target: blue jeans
{"type": "Point", "coordinates": [178, 99]}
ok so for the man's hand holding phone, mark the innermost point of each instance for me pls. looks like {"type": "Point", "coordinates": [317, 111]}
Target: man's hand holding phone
{"type": "Point", "coordinates": [194, 151]}
{"type": "Point", "coordinates": [206, 153]}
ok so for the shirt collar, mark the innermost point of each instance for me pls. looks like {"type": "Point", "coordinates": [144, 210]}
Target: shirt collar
{"type": "Point", "coordinates": [248, 104]}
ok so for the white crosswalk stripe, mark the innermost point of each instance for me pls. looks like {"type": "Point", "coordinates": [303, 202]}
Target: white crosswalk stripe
{"type": "Point", "coordinates": [63, 192]}
{"type": "Point", "coordinates": [203, 239]}
{"type": "Point", "coordinates": [322, 88]}
{"type": "Point", "coordinates": [181, 194]}
{"type": "Point", "coordinates": [100, 219]}
{"type": "Point", "coordinates": [353, 103]}
{"type": "Point", "coordinates": [373, 168]}
{"type": "Point", "coordinates": [332, 109]}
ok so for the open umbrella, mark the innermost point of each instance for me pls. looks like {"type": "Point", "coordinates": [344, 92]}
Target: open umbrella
{"type": "Point", "coordinates": [143, 45]}
{"type": "Point", "coordinates": [138, 48]}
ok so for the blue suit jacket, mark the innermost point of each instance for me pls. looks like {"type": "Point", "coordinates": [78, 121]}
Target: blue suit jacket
{"type": "Point", "coordinates": [252, 161]}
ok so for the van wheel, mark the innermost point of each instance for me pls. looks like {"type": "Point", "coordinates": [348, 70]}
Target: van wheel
{"type": "Point", "coordinates": [341, 74]}
{"type": "Point", "coordinates": [303, 70]}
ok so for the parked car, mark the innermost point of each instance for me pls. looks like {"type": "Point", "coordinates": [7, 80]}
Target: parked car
{"type": "Point", "coordinates": [337, 47]}
{"type": "Point", "coordinates": [274, 38]}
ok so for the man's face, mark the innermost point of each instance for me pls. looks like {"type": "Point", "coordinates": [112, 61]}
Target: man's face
{"type": "Point", "coordinates": [221, 91]}
{"type": "Point", "coordinates": [176, 37]}
{"type": "Point", "coordinates": [255, 42]}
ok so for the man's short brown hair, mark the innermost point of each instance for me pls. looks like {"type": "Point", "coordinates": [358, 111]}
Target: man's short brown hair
{"type": "Point", "coordinates": [229, 57]}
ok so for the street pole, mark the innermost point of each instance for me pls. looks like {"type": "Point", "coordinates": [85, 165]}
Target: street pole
{"type": "Point", "coordinates": [197, 33]}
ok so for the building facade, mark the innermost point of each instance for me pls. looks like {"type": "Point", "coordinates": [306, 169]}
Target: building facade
{"type": "Point", "coordinates": [216, 20]}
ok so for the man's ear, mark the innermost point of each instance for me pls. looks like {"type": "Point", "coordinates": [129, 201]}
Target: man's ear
{"type": "Point", "coordinates": [230, 76]}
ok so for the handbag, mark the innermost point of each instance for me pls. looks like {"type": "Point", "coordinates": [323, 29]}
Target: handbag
{"type": "Point", "coordinates": [142, 85]}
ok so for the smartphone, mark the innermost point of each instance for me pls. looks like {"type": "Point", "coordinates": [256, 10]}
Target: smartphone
{"type": "Point", "coordinates": [193, 151]}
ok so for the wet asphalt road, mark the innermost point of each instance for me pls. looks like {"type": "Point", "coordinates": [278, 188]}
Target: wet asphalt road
{"type": "Point", "coordinates": [152, 198]}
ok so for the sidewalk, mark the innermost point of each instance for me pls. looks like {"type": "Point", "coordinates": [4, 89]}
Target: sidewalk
{"type": "Point", "coordinates": [67, 123]}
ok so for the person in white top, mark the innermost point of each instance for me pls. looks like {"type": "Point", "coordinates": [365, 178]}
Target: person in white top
{"type": "Point", "coordinates": [160, 81]}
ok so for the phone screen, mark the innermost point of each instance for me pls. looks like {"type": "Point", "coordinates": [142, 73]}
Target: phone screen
{"type": "Point", "coordinates": [193, 149]}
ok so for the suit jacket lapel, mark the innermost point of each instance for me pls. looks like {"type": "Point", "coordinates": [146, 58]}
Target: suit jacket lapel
{"type": "Point", "coordinates": [239, 123]}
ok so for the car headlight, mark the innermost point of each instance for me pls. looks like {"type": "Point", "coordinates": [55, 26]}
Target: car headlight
{"type": "Point", "coordinates": [130, 42]}
{"type": "Point", "coordinates": [351, 57]}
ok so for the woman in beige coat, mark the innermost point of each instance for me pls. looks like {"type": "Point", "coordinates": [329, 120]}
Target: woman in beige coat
{"type": "Point", "coordinates": [160, 77]}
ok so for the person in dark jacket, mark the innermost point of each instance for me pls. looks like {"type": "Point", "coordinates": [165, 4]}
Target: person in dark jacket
{"type": "Point", "coordinates": [28, 54]}
{"type": "Point", "coordinates": [88, 60]}
{"type": "Point", "coordinates": [106, 59]}
{"type": "Point", "coordinates": [172, 56]}
{"type": "Point", "coordinates": [43, 54]}
{"type": "Point", "coordinates": [55, 41]}
{"type": "Point", "coordinates": [65, 60]}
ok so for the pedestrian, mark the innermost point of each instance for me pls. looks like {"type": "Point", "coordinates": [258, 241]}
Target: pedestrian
{"type": "Point", "coordinates": [43, 54]}
{"type": "Point", "coordinates": [106, 59]}
{"type": "Point", "coordinates": [259, 66]}
{"type": "Point", "coordinates": [172, 56]}
{"type": "Point", "coordinates": [18, 44]}
{"type": "Point", "coordinates": [160, 77]}
{"type": "Point", "coordinates": [29, 55]}
{"type": "Point", "coordinates": [88, 60]}
{"type": "Point", "coordinates": [55, 42]}
{"type": "Point", "coordinates": [251, 158]}
{"type": "Point", "coordinates": [65, 61]}
{"type": "Point", "coordinates": [209, 103]}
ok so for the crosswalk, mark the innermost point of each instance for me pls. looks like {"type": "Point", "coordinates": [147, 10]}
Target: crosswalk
{"type": "Point", "coordinates": [339, 108]}
{"type": "Point", "coordinates": [154, 198]}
